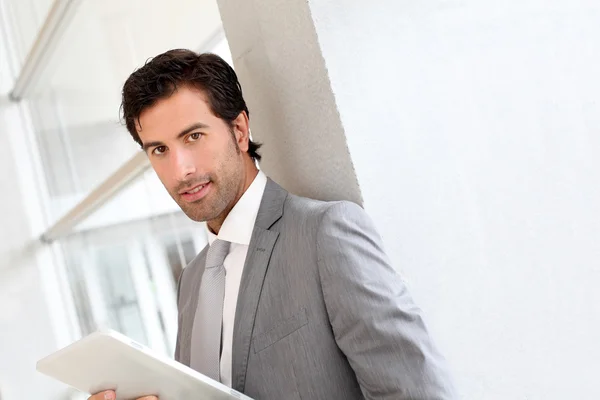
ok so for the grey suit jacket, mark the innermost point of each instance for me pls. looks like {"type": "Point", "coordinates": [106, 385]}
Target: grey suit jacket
{"type": "Point", "coordinates": [321, 314]}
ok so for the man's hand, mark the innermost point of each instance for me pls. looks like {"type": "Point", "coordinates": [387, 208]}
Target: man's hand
{"type": "Point", "coordinates": [110, 395]}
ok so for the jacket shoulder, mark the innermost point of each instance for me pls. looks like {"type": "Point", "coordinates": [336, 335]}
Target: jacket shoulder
{"type": "Point", "coordinates": [298, 207]}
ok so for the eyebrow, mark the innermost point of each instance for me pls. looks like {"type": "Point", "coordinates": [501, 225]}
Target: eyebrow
{"type": "Point", "coordinates": [193, 127]}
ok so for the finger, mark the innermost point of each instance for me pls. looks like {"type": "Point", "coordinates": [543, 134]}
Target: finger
{"type": "Point", "coordinates": [148, 398]}
{"type": "Point", "coordinates": [107, 395]}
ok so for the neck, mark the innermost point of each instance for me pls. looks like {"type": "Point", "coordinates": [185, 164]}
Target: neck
{"type": "Point", "coordinates": [216, 224]}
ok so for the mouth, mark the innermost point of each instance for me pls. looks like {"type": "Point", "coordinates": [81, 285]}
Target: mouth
{"type": "Point", "coordinates": [195, 193]}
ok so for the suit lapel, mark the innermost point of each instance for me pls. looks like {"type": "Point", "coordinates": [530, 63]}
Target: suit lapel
{"type": "Point", "coordinates": [255, 269]}
{"type": "Point", "coordinates": [257, 262]}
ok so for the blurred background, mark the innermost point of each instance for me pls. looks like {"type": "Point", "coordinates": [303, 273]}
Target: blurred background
{"type": "Point", "coordinates": [114, 242]}
{"type": "Point", "coordinates": [468, 129]}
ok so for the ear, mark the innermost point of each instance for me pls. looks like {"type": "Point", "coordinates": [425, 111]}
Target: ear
{"type": "Point", "coordinates": [241, 130]}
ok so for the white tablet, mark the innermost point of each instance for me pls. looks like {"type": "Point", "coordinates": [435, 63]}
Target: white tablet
{"type": "Point", "coordinates": [107, 360]}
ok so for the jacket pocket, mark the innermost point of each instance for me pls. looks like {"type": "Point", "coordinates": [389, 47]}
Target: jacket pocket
{"type": "Point", "coordinates": [280, 331]}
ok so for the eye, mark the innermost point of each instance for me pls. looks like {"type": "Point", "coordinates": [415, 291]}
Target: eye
{"type": "Point", "coordinates": [159, 150]}
{"type": "Point", "coordinates": [194, 136]}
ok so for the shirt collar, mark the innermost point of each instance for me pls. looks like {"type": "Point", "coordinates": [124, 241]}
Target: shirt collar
{"type": "Point", "coordinates": [239, 223]}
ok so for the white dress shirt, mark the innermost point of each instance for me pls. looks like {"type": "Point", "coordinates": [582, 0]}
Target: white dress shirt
{"type": "Point", "coordinates": [236, 229]}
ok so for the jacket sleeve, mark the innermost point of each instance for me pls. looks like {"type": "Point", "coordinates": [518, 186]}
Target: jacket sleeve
{"type": "Point", "coordinates": [374, 320]}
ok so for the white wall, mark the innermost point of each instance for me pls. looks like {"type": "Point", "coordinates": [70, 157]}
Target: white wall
{"type": "Point", "coordinates": [473, 131]}
{"type": "Point", "coordinates": [474, 128]}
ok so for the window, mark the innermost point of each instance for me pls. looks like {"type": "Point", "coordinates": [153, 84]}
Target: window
{"type": "Point", "coordinates": [121, 262]}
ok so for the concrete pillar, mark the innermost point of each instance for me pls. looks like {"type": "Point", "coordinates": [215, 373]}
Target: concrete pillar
{"type": "Point", "coordinates": [293, 110]}
{"type": "Point", "coordinates": [467, 129]}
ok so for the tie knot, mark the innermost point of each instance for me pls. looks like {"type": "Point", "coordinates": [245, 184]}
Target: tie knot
{"type": "Point", "coordinates": [217, 252]}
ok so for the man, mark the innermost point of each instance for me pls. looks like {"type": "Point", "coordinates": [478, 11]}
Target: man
{"type": "Point", "coordinates": [293, 298]}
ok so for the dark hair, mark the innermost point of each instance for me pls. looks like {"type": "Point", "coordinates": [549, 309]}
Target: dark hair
{"type": "Point", "coordinates": [163, 74]}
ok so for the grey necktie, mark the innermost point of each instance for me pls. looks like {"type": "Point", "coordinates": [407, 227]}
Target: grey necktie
{"type": "Point", "coordinates": [206, 332]}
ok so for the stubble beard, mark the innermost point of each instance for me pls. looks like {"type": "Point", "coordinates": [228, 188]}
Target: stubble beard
{"type": "Point", "coordinates": [225, 185]}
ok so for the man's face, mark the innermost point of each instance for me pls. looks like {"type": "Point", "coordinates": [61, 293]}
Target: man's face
{"type": "Point", "coordinates": [194, 153]}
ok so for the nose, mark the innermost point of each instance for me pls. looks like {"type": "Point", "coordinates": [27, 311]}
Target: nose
{"type": "Point", "coordinates": [184, 165]}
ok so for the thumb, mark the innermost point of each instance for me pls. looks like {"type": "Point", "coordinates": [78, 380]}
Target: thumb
{"type": "Point", "coordinates": [107, 395]}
